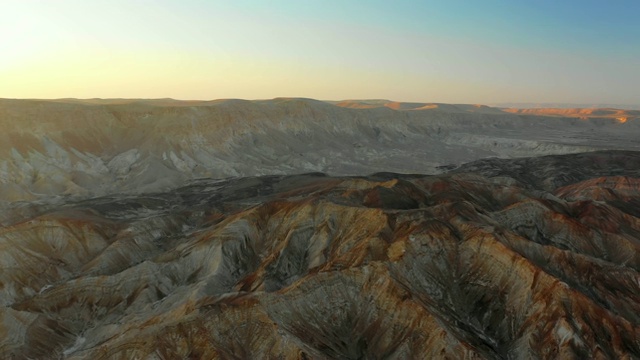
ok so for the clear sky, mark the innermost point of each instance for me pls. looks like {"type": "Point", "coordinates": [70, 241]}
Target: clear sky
{"type": "Point", "coordinates": [489, 51]}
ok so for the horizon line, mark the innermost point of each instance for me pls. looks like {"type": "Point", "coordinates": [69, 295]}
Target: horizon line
{"type": "Point", "coordinates": [505, 104]}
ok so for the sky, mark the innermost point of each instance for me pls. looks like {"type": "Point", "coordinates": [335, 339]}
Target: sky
{"type": "Point", "coordinates": [452, 51]}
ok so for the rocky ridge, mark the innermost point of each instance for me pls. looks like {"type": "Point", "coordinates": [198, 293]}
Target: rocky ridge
{"type": "Point", "coordinates": [500, 258]}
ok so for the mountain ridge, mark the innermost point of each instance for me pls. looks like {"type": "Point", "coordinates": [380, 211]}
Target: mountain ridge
{"type": "Point", "coordinates": [71, 149]}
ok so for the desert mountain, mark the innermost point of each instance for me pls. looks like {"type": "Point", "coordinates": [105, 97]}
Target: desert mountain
{"type": "Point", "coordinates": [83, 148]}
{"type": "Point", "coordinates": [584, 114]}
{"type": "Point", "coordinates": [294, 228]}
{"type": "Point", "coordinates": [500, 258]}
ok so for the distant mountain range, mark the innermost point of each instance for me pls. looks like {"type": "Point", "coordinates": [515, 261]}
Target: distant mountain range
{"type": "Point", "coordinates": [566, 105]}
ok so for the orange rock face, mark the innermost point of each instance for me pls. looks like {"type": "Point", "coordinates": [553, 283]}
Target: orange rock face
{"type": "Point", "coordinates": [494, 261]}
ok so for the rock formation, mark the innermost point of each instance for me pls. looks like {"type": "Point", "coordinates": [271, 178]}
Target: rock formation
{"type": "Point", "coordinates": [500, 258]}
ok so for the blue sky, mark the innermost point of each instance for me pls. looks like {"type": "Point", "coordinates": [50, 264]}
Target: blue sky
{"type": "Point", "coordinates": [444, 51]}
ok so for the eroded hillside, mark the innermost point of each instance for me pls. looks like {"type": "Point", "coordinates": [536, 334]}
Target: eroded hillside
{"type": "Point", "coordinates": [527, 258]}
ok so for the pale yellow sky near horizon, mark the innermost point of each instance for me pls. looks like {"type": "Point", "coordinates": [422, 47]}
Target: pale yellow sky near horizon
{"type": "Point", "coordinates": [204, 50]}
